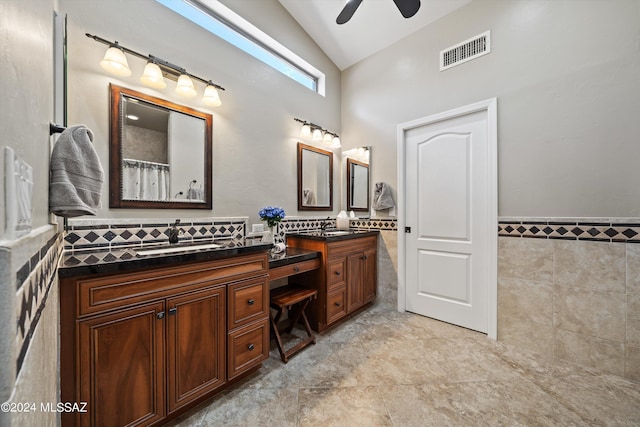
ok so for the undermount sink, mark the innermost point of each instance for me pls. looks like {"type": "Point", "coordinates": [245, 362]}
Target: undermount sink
{"type": "Point", "coordinates": [335, 233]}
{"type": "Point", "coordinates": [178, 248]}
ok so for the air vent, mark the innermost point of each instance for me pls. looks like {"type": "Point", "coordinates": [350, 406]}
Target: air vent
{"type": "Point", "coordinates": [465, 51]}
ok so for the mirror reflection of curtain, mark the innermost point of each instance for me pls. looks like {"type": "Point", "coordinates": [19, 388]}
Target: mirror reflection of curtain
{"type": "Point", "coordinates": [144, 180]}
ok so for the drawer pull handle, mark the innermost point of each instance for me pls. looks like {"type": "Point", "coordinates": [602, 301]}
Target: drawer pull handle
{"type": "Point", "coordinates": [296, 269]}
{"type": "Point", "coordinates": [250, 347]}
{"type": "Point", "coordinates": [337, 273]}
{"type": "Point", "coordinates": [173, 311]}
{"type": "Point", "coordinates": [160, 315]}
{"type": "Point", "coordinates": [337, 304]}
{"type": "Point", "coordinates": [251, 302]}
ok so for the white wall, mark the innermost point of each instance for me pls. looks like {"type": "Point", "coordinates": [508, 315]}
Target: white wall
{"type": "Point", "coordinates": [254, 134]}
{"type": "Point", "coordinates": [566, 75]}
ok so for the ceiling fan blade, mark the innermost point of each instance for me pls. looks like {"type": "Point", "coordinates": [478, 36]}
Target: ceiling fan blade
{"type": "Point", "coordinates": [408, 8]}
{"type": "Point", "coordinates": [348, 11]}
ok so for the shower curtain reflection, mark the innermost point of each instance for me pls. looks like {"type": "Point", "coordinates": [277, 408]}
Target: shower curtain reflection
{"type": "Point", "coordinates": [143, 180]}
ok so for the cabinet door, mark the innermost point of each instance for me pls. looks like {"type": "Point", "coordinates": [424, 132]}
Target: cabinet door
{"type": "Point", "coordinates": [369, 275]}
{"type": "Point", "coordinates": [121, 373]}
{"type": "Point", "coordinates": [196, 345]}
{"type": "Point", "coordinates": [355, 284]}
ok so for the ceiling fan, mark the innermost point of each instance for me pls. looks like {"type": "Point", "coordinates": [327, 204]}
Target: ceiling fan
{"type": "Point", "coordinates": [407, 8]}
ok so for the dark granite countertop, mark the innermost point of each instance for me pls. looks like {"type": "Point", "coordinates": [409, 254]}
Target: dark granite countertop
{"type": "Point", "coordinates": [117, 260]}
{"type": "Point", "coordinates": [291, 256]}
{"type": "Point", "coordinates": [333, 235]}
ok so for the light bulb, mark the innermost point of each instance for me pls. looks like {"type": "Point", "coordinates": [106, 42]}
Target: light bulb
{"type": "Point", "coordinates": [328, 138]}
{"type": "Point", "coordinates": [317, 135]}
{"type": "Point", "coordinates": [305, 131]}
{"type": "Point", "coordinates": [185, 87]}
{"type": "Point", "coordinates": [152, 76]}
{"type": "Point", "coordinates": [336, 141]}
{"type": "Point", "coordinates": [115, 62]}
{"type": "Point", "coordinates": [211, 96]}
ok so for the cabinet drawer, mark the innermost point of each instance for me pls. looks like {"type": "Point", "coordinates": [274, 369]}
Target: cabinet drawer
{"type": "Point", "coordinates": [347, 247]}
{"type": "Point", "coordinates": [336, 305]}
{"type": "Point", "coordinates": [248, 302]}
{"type": "Point", "coordinates": [113, 291]}
{"type": "Point", "coordinates": [248, 347]}
{"type": "Point", "coordinates": [335, 274]}
{"type": "Point", "coordinates": [291, 269]}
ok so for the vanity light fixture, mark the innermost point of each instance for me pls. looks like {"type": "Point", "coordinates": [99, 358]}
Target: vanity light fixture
{"type": "Point", "coordinates": [155, 72]}
{"type": "Point", "coordinates": [185, 87]}
{"type": "Point", "coordinates": [318, 133]}
{"type": "Point", "coordinates": [115, 62]}
{"type": "Point", "coordinates": [211, 96]}
{"type": "Point", "coordinates": [152, 76]}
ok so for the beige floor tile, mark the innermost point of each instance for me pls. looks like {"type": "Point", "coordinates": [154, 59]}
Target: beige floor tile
{"type": "Point", "coordinates": [384, 368]}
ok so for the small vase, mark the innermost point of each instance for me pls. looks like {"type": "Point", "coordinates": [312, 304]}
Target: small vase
{"type": "Point", "coordinates": [267, 236]}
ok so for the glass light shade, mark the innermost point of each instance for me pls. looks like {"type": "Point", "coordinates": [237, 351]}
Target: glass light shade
{"type": "Point", "coordinates": [115, 62]}
{"type": "Point", "coordinates": [152, 76]}
{"type": "Point", "coordinates": [317, 135]}
{"type": "Point", "coordinates": [328, 138]}
{"type": "Point", "coordinates": [336, 141]}
{"type": "Point", "coordinates": [305, 131]}
{"type": "Point", "coordinates": [211, 97]}
{"type": "Point", "coordinates": [185, 87]}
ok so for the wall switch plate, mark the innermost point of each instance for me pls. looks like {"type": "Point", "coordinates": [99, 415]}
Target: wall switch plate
{"type": "Point", "coordinates": [18, 192]}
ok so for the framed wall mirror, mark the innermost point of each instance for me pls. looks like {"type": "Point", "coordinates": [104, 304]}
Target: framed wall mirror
{"type": "Point", "coordinates": [315, 178]}
{"type": "Point", "coordinates": [159, 153]}
{"type": "Point", "coordinates": [357, 185]}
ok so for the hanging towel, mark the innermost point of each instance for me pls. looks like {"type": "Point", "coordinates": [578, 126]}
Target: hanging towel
{"type": "Point", "coordinates": [382, 198]}
{"type": "Point", "coordinates": [308, 197]}
{"type": "Point", "coordinates": [76, 174]}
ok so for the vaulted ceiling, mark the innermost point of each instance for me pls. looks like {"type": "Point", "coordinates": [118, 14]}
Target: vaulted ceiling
{"type": "Point", "coordinates": [375, 25]}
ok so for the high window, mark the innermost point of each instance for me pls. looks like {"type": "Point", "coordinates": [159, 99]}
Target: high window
{"type": "Point", "coordinates": [228, 25]}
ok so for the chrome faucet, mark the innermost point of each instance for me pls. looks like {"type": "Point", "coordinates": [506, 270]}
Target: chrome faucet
{"type": "Point", "coordinates": [325, 223]}
{"type": "Point", "coordinates": [174, 232]}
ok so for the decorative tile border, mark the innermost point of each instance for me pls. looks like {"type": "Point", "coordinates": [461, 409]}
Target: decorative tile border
{"type": "Point", "coordinates": [33, 282]}
{"type": "Point", "coordinates": [585, 230]}
{"type": "Point", "coordinates": [126, 233]}
{"type": "Point", "coordinates": [292, 225]}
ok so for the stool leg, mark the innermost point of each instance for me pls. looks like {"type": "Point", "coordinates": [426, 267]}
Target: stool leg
{"type": "Point", "coordinates": [274, 329]}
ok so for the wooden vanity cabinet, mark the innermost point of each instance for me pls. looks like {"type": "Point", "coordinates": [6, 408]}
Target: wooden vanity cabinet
{"type": "Point", "coordinates": [143, 346]}
{"type": "Point", "coordinates": [346, 281]}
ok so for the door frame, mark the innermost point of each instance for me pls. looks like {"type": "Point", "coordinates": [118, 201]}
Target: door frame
{"type": "Point", "coordinates": [488, 106]}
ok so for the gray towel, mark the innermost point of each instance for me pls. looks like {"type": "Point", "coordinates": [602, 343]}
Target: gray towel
{"type": "Point", "coordinates": [76, 174]}
{"type": "Point", "coordinates": [382, 198]}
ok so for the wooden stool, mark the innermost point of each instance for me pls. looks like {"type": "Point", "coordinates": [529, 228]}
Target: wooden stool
{"type": "Point", "coordinates": [285, 298]}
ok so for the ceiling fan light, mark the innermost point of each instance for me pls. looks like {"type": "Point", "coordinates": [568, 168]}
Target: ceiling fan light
{"type": "Point", "coordinates": [152, 76]}
{"type": "Point", "coordinates": [115, 62]}
{"type": "Point", "coordinates": [185, 87]}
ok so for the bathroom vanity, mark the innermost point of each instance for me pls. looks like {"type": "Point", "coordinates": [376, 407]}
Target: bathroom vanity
{"type": "Point", "coordinates": [346, 280]}
{"type": "Point", "coordinates": [145, 337]}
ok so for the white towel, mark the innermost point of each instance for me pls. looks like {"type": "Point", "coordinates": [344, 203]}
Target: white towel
{"type": "Point", "coordinates": [382, 198]}
{"type": "Point", "coordinates": [308, 198]}
{"type": "Point", "coordinates": [76, 174]}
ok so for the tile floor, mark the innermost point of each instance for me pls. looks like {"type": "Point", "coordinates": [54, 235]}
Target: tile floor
{"type": "Point", "coordinates": [384, 368]}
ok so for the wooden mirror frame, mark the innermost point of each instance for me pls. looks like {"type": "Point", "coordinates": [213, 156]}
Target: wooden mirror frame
{"type": "Point", "coordinates": [350, 207]}
{"type": "Point", "coordinates": [115, 153]}
{"type": "Point", "coordinates": [302, 207]}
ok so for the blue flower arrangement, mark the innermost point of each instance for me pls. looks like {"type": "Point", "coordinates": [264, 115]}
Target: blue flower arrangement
{"type": "Point", "coordinates": [272, 214]}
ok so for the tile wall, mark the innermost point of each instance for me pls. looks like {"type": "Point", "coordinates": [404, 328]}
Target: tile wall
{"type": "Point", "coordinates": [570, 289]}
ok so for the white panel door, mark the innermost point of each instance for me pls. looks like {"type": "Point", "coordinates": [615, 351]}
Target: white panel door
{"type": "Point", "coordinates": [447, 202]}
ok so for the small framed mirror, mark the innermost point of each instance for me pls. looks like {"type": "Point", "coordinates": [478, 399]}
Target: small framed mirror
{"type": "Point", "coordinates": [357, 185]}
{"type": "Point", "coordinates": [315, 178]}
{"type": "Point", "coordinates": [159, 153]}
